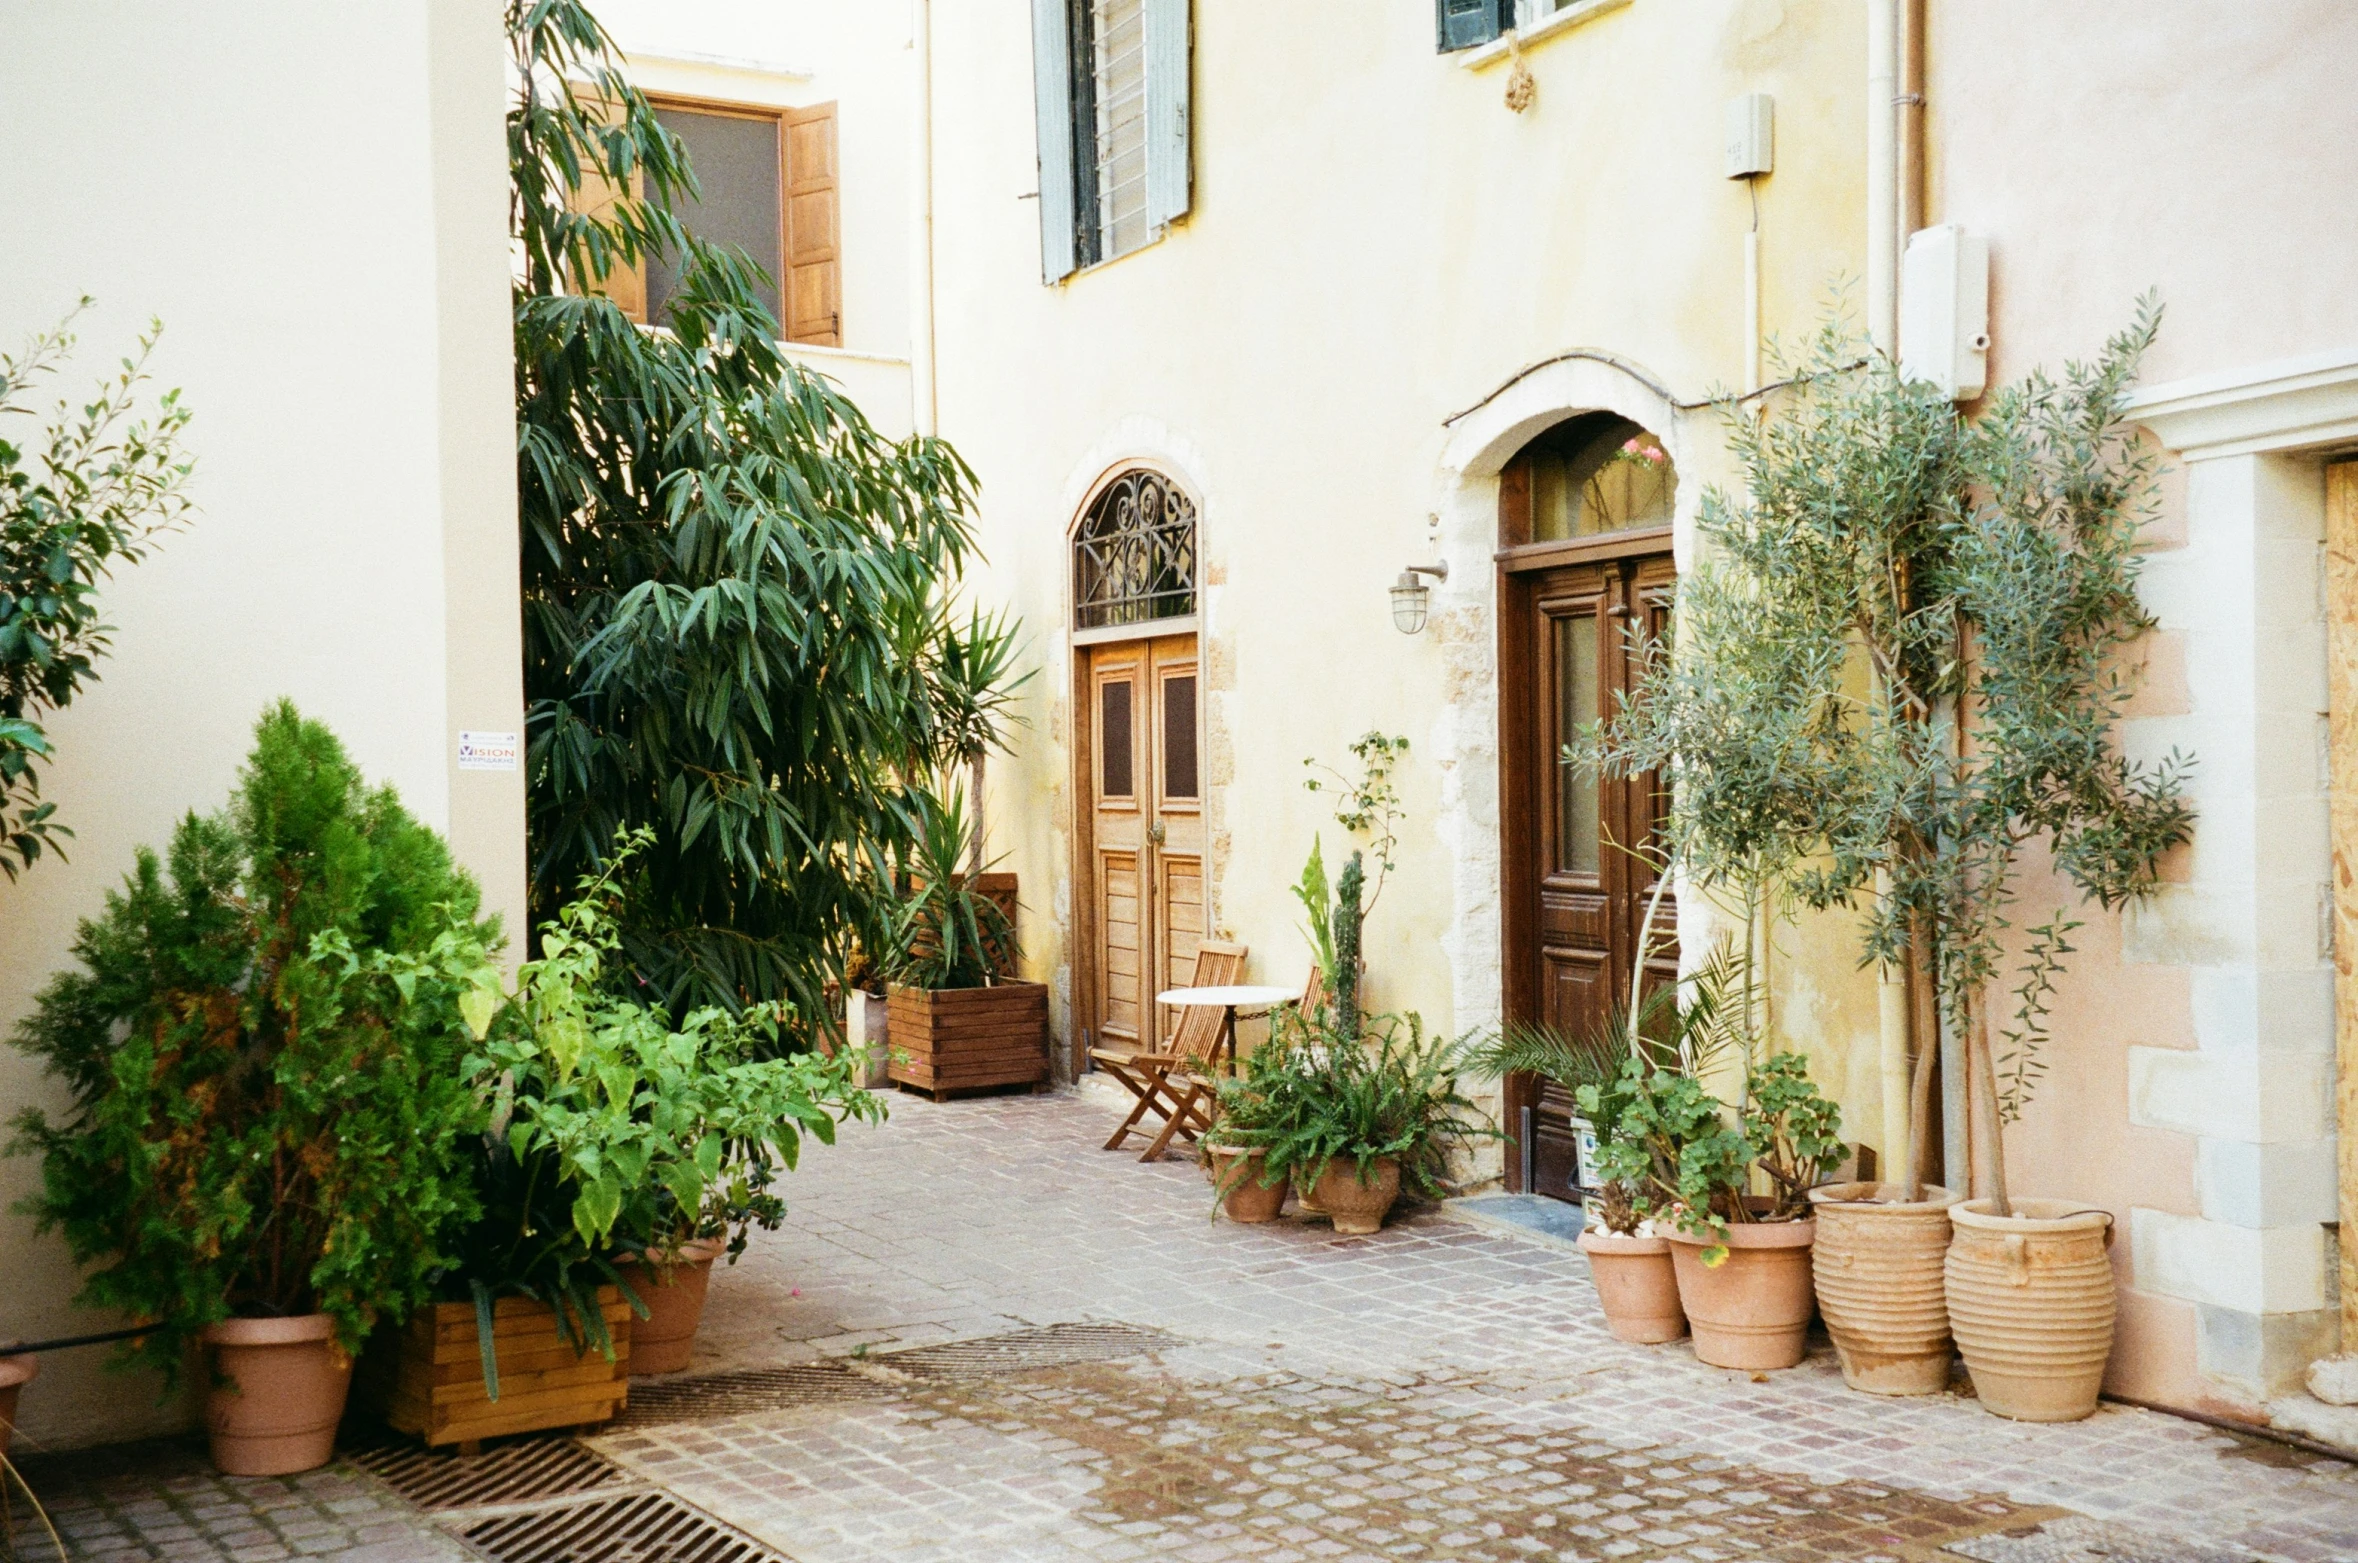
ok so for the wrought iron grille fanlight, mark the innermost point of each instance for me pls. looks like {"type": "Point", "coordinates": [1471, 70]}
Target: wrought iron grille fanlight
{"type": "Point", "coordinates": [1135, 557]}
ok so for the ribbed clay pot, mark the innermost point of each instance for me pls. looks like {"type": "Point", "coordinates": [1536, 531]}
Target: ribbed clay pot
{"type": "Point", "coordinates": [1246, 1199]}
{"type": "Point", "coordinates": [2031, 1304]}
{"type": "Point", "coordinates": [15, 1373]}
{"type": "Point", "coordinates": [1878, 1265]}
{"type": "Point", "coordinates": [1637, 1286]}
{"type": "Point", "coordinates": [1353, 1206]}
{"type": "Point", "coordinates": [277, 1394]}
{"type": "Point", "coordinates": [664, 1340]}
{"type": "Point", "coordinates": [1752, 1309]}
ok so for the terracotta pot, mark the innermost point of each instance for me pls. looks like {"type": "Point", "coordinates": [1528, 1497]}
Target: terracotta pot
{"type": "Point", "coordinates": [1878, 1265]}
{"type": "Point", "coordinates": [15, 1374]}
{"type": "Point", "coordinates": [1752, 1309]}
{"type": "Point", "coordinates": [2031, 1304]}
{"type": "Point", "coordinates": [277, 1394]}
{"type": "Point", "coordinates": [1637, 1285]}
{"type": "Point", "coordinates": [1246, 1200]}
{"type": "Point", "coordinates": [1353, 1206]}
{"type": "Point", "coordinates": [663, 1341]}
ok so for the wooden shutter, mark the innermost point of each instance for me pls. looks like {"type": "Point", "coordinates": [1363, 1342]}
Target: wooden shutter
{"type": "Point", "coordinates": [812, 288]}
{"type": "Point", "coordinates": [625, 285]}
{"type": "Point", "coordinates": [1168, 169]}
{"type": "Point", "coordinates": [1052, 96]}
{"type": "Point", "coordinates": [1465, 23]}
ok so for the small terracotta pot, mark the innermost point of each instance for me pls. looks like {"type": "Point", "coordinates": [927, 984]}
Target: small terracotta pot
{"type": "Point", "coordinates": [2031, 1304]}
{"type": "Point", "coordinates": [15, 1374]}
{"type": "Point", "coordinates": [1247, 1200]}
{"type": "Point", "coordinates": [665, 1339]}
{"type": "Point", "coordinates": [1637, 1286]}
{"type": "Point", "coordinates": [1752, 1309]}
{"type": "Point", "coordinates": [277, 1394]}
{"type": "Point", "coordinates": [1878, 1266]}
{"type": "Point", "coordinates": [1355, 1207]}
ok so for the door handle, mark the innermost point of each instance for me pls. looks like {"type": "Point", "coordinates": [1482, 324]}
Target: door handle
{"type": "Point", "coordinates": [1154, 832]}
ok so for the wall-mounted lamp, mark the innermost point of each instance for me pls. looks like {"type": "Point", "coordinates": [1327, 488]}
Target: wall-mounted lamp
{"type": "Point", "coordinates": [1411, 598]}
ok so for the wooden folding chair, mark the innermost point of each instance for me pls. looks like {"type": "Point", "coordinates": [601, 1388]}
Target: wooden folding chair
{"type": "Point", "coordinates": [1167, 1079]}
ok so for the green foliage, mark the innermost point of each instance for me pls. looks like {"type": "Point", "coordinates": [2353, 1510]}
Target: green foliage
{"type": "Point", "coordinates": [1892, 576]}
{"type": "Point", "coordinates": [1369, 805]}
{"type": "Point", "coordinates": [93, 492]}
{"type": "Point", "coordinates": [1350, 923]}
{"type": "Point", "coordinates": [1317, 901]}
{"type": "Point", "coordinates": [263, 1045]}
{"type": "Point", "coordinates": [1314, 1092]}
{"type": "Point", "coordinates": [737, 627]}
{"type": "Point", "coordinates": [945, 933]}
{"type": "Point", "coordinates": [611, 1129]}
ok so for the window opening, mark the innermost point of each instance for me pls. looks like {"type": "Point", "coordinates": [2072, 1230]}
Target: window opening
{"type": "Point", "coordinates": [1579, 702]}
{"type": "Point", "coordinates": [1179, 778]}
{"type": "Point", "coordinates": [1598, 474]}
{"type": "Point", "coordinates": [1113, 739]}
{"type": "Point", "coordinates": [736, 162]}
{"type": "Point", "coordinates": [1134, 560]}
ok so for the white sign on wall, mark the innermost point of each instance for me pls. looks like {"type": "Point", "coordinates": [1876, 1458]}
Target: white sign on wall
{"type": "Point", "coordinates": [489, 751]}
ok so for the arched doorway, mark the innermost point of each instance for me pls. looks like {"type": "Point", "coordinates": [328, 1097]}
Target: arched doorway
{"type": "Point", "coordinates": [1139, 854]}
{"type": "Point", "coordinates": [1585, 583]}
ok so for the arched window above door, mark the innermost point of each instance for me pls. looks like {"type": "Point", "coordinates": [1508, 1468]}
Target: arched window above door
{"type": "Point", "coordinates": [1134, 555]}
{"type": "Point", "coordinates": [1595, 474]}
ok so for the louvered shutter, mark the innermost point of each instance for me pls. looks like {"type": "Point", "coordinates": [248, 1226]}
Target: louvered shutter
{"type": "Point", "coordinates": [1465, 23]}
{"type": "Point", "coordinates": [1168, 169]}
{"type": "Point", "coordinates": [1052, 94]}
{"type": "Point", "coordinates": [813, 280]}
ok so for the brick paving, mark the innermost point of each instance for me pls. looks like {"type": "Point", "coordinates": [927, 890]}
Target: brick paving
{"type": "Point", "coordinates": [1444, 1389]}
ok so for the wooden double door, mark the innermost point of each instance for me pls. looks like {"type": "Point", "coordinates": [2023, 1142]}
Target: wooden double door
{"type": "Point", "coordinates": [1580, 866]}
{"type": "Point", "coordinates": [1145, 848]}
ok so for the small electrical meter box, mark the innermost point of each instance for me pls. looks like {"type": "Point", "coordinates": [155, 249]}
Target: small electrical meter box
{"type": "Point", "coordinates": [1751, 135]}
{"type": "Point", "coordinates": [1945, 311]}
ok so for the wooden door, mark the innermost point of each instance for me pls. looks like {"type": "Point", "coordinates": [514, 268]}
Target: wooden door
{"type": "Point", "coordinates": [1146, 848]}
{"type": "Point", "coordinates": [1579, 876]}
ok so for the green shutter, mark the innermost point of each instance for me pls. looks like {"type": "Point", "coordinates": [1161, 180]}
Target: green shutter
{"type": "Point", "coordinates": [1052, 94]}
{"type": "Point", "coordinates": [1465, 23]}
{"type": "Point", "coordinates": [1167, 110]}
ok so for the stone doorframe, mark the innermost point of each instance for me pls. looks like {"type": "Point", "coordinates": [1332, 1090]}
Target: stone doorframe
{"type": "Point", "coordinates": [2253, 923]}
{"type": "Point", "coordinates": [1477, 444]}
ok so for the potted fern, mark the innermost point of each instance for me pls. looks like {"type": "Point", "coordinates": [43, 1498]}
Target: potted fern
{"type": "Point", "coordinates": [959, 1017]}
{"type": "Point", "coordinates": [264, 1045]}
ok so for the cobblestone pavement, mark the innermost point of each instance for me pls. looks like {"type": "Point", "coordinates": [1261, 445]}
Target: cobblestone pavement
{"type": "Point", "coordinates": [1161, 1385]}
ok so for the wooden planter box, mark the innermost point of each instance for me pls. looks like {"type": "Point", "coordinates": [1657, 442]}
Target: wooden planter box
{"type": "Point", "coordinates": [427, 1379]}
{"type": "Point", "coordinates": [969, 1039]}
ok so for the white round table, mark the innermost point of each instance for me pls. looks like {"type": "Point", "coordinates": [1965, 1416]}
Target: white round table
{"type": "Point", "coordinates": [1252, 998]}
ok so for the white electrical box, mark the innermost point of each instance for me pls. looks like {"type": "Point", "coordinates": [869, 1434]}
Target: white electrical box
{"type": "Point", "coordinates": [1751, 135]}
{"type": "Point", "coordinates": [1945, 311]}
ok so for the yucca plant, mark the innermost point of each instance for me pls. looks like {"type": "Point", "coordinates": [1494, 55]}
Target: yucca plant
{"type": "Point", "coordinates": [945, 932]}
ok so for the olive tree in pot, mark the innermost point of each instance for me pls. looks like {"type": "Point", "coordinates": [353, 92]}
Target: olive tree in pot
{"type": "Point", "coordinates": [264, 1046]}
{"type": "Point", "coordinates": [1898, 665]}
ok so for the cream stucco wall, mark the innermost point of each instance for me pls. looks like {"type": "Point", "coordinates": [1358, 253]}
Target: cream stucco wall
{"type": "Point", "coordinates": [2208, 152]}
{"type": "Point", "coordinates": [313, 198]}
{"type": "Point", "coordinates": [1377, 245]}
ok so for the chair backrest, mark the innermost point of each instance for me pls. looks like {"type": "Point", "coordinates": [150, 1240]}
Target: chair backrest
{"type": "Point", "coordinates": [1218, 964]}
{"type": "Point", "coordinates": [1313, 997]}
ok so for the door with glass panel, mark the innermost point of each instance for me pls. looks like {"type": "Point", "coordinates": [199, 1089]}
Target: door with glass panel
{"type": "Point", "coordinates": [1147, 835]}
{"type": "Point", "coordinates": [1586, 582]}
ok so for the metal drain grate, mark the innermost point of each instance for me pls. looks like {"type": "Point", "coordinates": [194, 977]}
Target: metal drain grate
{"type": "Point", "coordinates": [523, 1472]}
{"type": "Point", "coordinates": [746, 1393]}
{"type": "Point", "coordinates": [757, 1390]}
{"type": "Point", "coordinates": [1054, 1346]}
{"type": "Point", "coordinates": [645, 1527]}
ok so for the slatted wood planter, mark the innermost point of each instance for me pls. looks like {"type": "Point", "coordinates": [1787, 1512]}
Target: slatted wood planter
{"type": "Point", "coordinates": [428, 1380]}
{"type": "Point", "coordinates": [969, 1039]}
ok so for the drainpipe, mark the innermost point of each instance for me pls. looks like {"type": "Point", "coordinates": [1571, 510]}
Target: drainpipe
{"type": "Point", "coordinates": [924, 406]}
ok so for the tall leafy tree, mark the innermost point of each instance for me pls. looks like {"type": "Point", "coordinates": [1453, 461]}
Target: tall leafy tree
{"type": "Point", "coordinates": [738, 620]}
{"type": "Point", "coordinates": [91, 490]}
